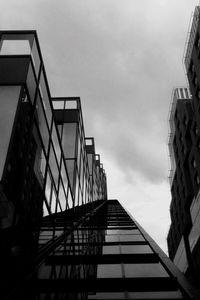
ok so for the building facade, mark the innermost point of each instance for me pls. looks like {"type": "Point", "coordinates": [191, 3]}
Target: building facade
{"type": "Point", "coordinates": [60, 237]}
{"type": "Point", "coordinates": [184, 144]}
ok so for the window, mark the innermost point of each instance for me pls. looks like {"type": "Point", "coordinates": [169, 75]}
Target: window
{"type": "Point", "coordinates": [144, 270]}
{"type": "Point", "coordinates": [194, 163]}
{"type": "Point", "coordinates": [109, 271]}
{"type": "Point", "coordinates": [197, 179]}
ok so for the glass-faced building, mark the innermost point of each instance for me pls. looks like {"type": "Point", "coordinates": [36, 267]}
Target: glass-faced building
{"type": "Point", "coordinates": [184, 233]}
{"type": "Point", "coordinates": [60, 237]}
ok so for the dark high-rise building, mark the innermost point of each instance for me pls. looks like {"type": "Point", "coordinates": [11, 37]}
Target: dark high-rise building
{"type": "Point", "coordinates": [184, 233]}
{"type": "Point", "coordinates": [60, 237]}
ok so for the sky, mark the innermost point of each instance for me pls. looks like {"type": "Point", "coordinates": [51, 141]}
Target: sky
{"type": "Point", "coordinates": [123, 58]}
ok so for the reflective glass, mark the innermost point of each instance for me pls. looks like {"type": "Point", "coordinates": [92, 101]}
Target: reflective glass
{"type": "Point", "coordinates": [15, 47]}
{"type": "Point", "coordinates": [35, 57]}
{"type": "Point", "coordinates": [62, 197]}
{"type": "Point", "coordinates": [145, 270]}
{"type": "Point", "coordinates": [64, 177]}
{"type": "Point", "coordinates": [130, 231]}
{"type": "Point", "coordinates": [40, 160]}
{"type": "Point", "coordinates": [111, 249]}
{"type": "Point", "coordinates": [109, 271]}
{"type": "Point", "coordinates": [156, 295]}
{"type": "Point", "coordinates": [45, 99]}
{"type": "Point", "coordinates": [112, 238]}
{"type": "Point", "coordinates": [56, 143]}
{"type": "Point", "coordinates": [39, 114]}
{"type": "Point", "coordinates": [31, 83]}
{"type": "Point", "coordinates": [45, 211]}
{"type": "Point", "coordinates": [125, 249]}
{"type": "Point", "coordinates": [71, 104]}
{"type": "Point", "coordinates": [58, 104]}
{"type": "Point", "coordinates": [70, 170]}
{"type": "Point", "coordinates": [53, 166]}
{"type": "Point", "coordinates": [53, 201]}
{"type": "Point", "coordinates": [9, 96]}
{"type": "Point", "coordinates": [131, 238]}
{"type": "Point", "coordinates": [69, 199]}
{"type": "Point", "coordinates": [68, 140]}
{"type": "Point", "coordinates": [48, 188]}
{"type": "Point", "coordinates": [103, 296]}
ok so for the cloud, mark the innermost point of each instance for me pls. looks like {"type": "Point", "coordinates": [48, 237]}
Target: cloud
{"type": "Point", "coordinates": [122, 58]}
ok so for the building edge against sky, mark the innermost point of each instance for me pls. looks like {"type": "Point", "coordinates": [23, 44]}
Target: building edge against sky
{"type": "Point", "coordinates": [60, 237]}
{"type": "Point", "coordinates": [184, 147]}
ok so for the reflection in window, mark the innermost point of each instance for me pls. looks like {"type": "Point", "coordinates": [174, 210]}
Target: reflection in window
{"type": "Point", "coordinates": [62, 197]}
{"type": "Point", "coordinates": [70, 169]}
{"type": "Point", "coordinates": [145, 270]}
{"type": "Point", "coordinates": [31, 83]}
{"type": "Point", "coordinates": [69, 138]}
{"type": "Point", "coordinates": [42, 123]}
{"type": "Point", "coordinates": [64, 177]}
{"type": "Point", "coordinates": [56, 143]}
{"type": "Point", "coordinates": [45, 99]}
{"type": "Point", "coordinates": [112, 238]}
{"type": "Point", "coordinates": [40, 160]}
{"type": "Point", "coordinates": [131, 238]}
{"type": "Point", "coordinates": [53, 166]}
{"type": "Point", "coordinates": [111, 249]}
{"type": "Point", "coordinates": [107, 296]}
{"type": "Point", "coordinates": [109, 271]}
{"type": "Point", "coordinates": [125, 249]}
{"type": "Point", "coordinates": [156, 295]}
{"type": "Point", "coordinates": [130, 231]}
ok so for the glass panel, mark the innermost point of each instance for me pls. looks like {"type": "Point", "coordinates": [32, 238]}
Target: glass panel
{"type": "Point", "coordinates": [68, 140]}
{"type": "Point", "coordinates": [64, 177]}
{"type": "Point", "coordinates": [42, 123]}
{"type": "Point", "coordinates": [109, 271]}
{"type": "Point", "coordinates": [131, 231]}
{"type": "Point", "coordinates": [69, 199]}
{"type": "Point", "coordinates": [103, 296]}
{"type": "Point", "coordinates": [112, 238]}
{"type": "Point", "coordinates": [48, 188]}
{"type": "Point", "coordinates": [135, 249]}
{"type": "Point", "coordinates": [35, 57]}
{"type": "Point", "coordinates": [53, 201]}
{"type": "Point", "coordinates": [53, 166]}
{"type": "Point", "coordinates": [70, 170]}
{"type": "Point", "coordinates": [111, 249]}
{"type": "Point", "coordinates": [45, 99]}
{"type": "Point", "coordinates": [71, 104]}
{"type": "Point", "coordinates": [56, 143]}
{"type": "Point", "coordinates": [40, 160]}
{"type": "Point", "coordinates": [114, 230]}
{"type": "Point", "coordinates": [9, 96]}
{"type": "Point", "coordinates": [58, 104]}
{"type": "Point", "coordinates": [45, 211]}
{"type": "Point", "coordinates": [156, 295]}
{"type": "Point", "coordinates": [145, 270]}
{"type": "Point", "coordinates": [62, 198]}
{"type": "Point", "coordinates": [31, 83]}
{"type": "Point", "coordinates": [90, 159]}
{"type": "Point", "coordinates": [131, 238]}
{"type": "Point", "coordinates": [15, 47]}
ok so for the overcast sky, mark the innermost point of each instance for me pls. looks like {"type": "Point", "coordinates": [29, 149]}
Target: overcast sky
{"type": "Point", "coordinates": [123, 58]}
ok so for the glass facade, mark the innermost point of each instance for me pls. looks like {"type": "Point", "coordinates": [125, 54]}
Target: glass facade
{"type": "Point", "coordinates": [60, 237]}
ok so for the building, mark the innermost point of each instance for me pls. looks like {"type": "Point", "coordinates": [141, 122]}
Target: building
{"type": "Point", "coordinates": [60, 237]}
{"type": "Point", "coordinates": [184, 144]}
